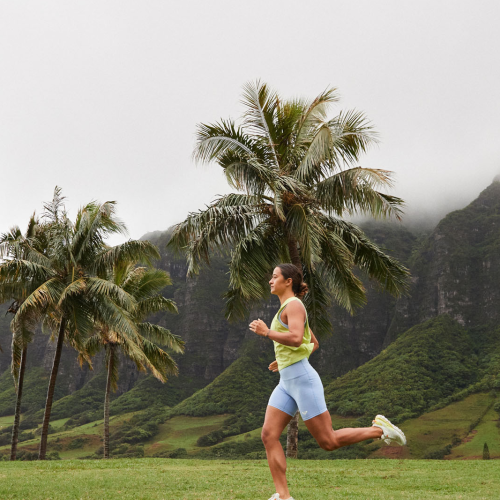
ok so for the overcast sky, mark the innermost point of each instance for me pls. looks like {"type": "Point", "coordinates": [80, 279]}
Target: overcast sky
{"type": "Point", "coordinates": [102, 97]}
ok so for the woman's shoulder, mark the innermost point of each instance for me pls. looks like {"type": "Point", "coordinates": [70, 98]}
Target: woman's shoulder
{"type": "Point", "coordinates": [295, 305]}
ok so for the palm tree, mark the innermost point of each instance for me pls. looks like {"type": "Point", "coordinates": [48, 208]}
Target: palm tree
{"type": "Point", "coordinates": [15, 245]}
{"type": "Point", "coordinates": [144, 285]}
{"type": "Point", "coordinates": [73, 291]}
{"type": "Point", "coordinates": [296, 174]}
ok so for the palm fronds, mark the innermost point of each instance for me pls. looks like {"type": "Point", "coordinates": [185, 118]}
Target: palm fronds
{"type": "Point", "coordinates": [296, 173]}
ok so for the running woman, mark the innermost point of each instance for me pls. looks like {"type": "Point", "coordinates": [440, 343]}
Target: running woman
{"type": "Point", "coordinates": [300, 386]}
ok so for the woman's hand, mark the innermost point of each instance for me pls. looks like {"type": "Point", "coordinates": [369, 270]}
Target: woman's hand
{"type": "Point", "coordinates": [273, 366]}
{"type": "Point", "coordinates": [259, 327]}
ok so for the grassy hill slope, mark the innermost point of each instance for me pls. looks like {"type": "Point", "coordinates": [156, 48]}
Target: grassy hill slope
{"type": "Point", "coordinates": [428, 363]}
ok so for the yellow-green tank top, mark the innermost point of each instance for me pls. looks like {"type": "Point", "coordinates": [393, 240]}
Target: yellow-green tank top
{"type": "Point", "coordinates": [288, 355]}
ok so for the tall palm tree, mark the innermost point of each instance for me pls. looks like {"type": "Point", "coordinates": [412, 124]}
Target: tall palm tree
{"type": "Point", "coordinates": [144, 285]}
{"type": "Point", "coordinates": [297, 176]}
{"type": "Point", "coordinates": [15, 245]}
{"type": "Point", "coordinates": [73, 292]}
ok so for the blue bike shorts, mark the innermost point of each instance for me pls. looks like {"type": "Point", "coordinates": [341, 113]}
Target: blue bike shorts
{"type": "Point", "coordinates": [300, 388]}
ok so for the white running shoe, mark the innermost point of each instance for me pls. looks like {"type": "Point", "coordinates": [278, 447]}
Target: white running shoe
{"type": "Point", "coordinates": [276, 496]}
{"type": "Point", "coordinates": [389, 431]}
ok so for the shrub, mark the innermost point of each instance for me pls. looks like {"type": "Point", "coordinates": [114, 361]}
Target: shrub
{"type": "Point", "coordinates": [77, 443]}
{"type": "Point", "coordinates": [211, 438]}
{"type": "Point", "coordinates": [5, 438]}
{"type": "Point", "coordinates": [53, 455]}
{"type": "Point", "coordinates": [27, 455]}
{"type": "Point", "coordinates": [177, 453]}
{"type": "Point", "coordinates": [26, 436]}
{"type": "Point", "coordinates": [438, 454]}
{"type": "Point", "coordinates": [486, 452]}
{"type": "Point", "coordinates": [29, 422]}
{"type": "Point", "coordinates": [496, 407]}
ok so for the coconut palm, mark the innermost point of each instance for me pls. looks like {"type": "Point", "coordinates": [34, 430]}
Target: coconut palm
{"type": "Point", "coordinates": [297, 176]}
{"type": "Point", "coordinates": [15, 245]}
{"type": "Point", "coordinates": [144, 285]}
{"type": "Point", "coordinates": [73, 292]}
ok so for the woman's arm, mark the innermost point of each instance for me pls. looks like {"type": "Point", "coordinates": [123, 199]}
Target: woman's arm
{"type": "Point", "coordinates": [296, 316]}
{"type": "Point", "coordinates": [314, 340]}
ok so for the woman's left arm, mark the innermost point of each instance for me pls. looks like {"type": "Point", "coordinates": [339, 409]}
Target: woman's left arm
{"type": "Point", "coordinates": [314, 340]}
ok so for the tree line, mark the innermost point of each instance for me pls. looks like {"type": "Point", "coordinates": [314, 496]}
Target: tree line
{"type": "Point", "coordinates": [61, 275]}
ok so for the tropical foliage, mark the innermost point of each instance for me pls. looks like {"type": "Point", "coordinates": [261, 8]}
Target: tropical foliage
{"type": "Point", "coordinates": [433, 362]}
{"type": "Point", "coordinates": [144, 286]}
{"type": "Point", "coordinates": [16, 246]}
{"type": "Point", "coordinates": [296, 174]}
{"type": "Point", "coordinates": [69, 292]}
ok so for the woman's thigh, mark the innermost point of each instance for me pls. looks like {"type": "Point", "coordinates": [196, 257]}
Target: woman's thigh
{"type": "Point", "coordinates": [282, 400]}
{"type": "Point", "coordinates": [320, 427]}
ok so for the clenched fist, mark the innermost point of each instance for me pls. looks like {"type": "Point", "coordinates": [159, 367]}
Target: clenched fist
{"type": "Point", "coordinates": [259, 327]}
{"type": "Point", "coordinates": [273, 366]}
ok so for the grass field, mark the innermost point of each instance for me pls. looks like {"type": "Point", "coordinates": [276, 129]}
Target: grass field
{"type": "Point", "coordinates": [171, 479]}
{"type": "Point", "coordinates": [6, 421]}
{"type": "Point", "coordinates": [183, 432]}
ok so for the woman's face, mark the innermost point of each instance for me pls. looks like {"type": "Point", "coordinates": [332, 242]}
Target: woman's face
{"type": "Point", "coordinates": [278, 283]}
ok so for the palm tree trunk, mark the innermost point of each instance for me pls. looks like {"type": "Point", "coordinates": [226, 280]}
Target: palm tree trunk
{"type": "Point", "coordinates": [50, 392]}
{"type": "Point", "coordinates": [111, 362]}
{"type": "Point", "coordinates": [17, 417]}
{"type": "Point", "coordinates": [294, 253]}
{"type": "Point", "coordinates": [292, 433]}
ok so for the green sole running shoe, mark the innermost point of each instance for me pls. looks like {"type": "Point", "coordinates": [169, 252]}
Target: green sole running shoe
{"type": "Point", "coordinates": [390, 431]}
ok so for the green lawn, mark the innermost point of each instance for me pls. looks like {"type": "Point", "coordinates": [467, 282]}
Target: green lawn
{"type": "Point", "coordinates": [171, 479]}
{"type": "Point", "coordinates": [183, 432]}
{"type": "Point", "coordinates": [6, 421]}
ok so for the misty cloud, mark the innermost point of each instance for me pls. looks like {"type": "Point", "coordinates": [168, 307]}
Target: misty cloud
{"type": "Point", "coordinates": [102, 98]}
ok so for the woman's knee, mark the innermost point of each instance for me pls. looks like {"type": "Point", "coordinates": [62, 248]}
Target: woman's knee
{"type": "Point", "coordinates": [329, 443]}
{"type": "Point", "coordinates": [268, 435]}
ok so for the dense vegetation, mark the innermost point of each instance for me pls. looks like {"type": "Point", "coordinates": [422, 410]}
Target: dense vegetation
{"type": "Point", "coordinates": [428, 363]}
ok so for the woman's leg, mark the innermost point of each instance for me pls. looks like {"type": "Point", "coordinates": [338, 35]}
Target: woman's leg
{"type": "Point", "coordinates": [274, 424]}
{"type": "Point", "coordinates": [321, 429]}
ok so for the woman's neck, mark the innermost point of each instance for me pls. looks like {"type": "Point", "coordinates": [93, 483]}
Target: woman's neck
{"type": "Point", "coordinates": [283, 298]}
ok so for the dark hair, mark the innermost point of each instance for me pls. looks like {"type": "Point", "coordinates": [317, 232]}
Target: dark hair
{"type": "Point", "coordinates": [299, 288]}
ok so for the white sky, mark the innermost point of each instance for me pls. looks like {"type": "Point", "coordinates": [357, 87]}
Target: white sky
{"type": "Point", "coordinates": [102, 97]}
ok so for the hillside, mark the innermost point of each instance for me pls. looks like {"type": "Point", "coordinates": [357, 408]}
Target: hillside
{"type": "Point", "coordinates": [426, 364]}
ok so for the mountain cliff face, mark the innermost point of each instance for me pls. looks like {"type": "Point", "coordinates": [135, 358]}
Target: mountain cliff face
{"type": "Point", "coordinates": [456, 271]}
